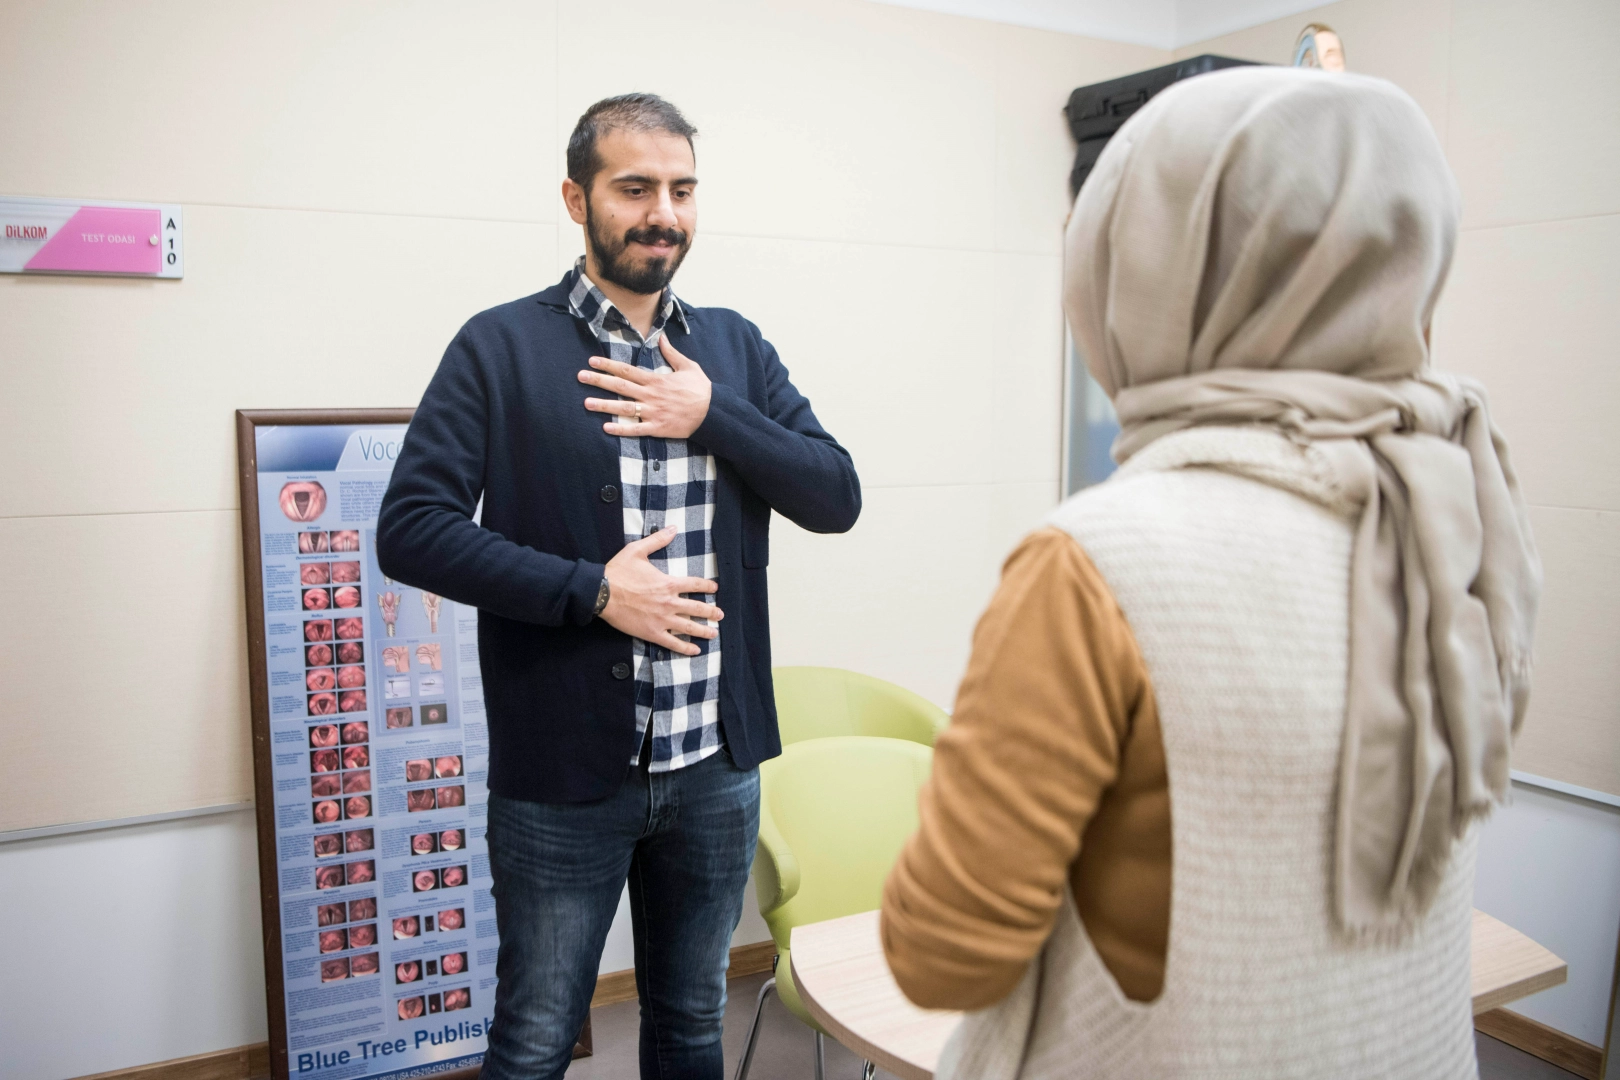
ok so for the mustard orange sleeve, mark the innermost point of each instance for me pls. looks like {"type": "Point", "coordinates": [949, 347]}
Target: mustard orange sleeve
{"type": "Point", "coordinates": [1041, 718]}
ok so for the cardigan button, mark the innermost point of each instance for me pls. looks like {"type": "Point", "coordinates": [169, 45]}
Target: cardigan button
{"type": "Point", "coordinates": [609, 493]}
{"type": "Point", "coordinates": [621, 670]}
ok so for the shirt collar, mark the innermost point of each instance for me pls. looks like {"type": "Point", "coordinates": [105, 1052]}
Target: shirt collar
{"type": "Point", "coordinates": [589, 303]}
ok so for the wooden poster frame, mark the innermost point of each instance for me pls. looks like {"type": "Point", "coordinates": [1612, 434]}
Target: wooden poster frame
{"type": "Point", "coordinates": [248, 421]}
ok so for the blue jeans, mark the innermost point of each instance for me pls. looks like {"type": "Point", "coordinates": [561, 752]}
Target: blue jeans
{"type": "Point", "coordinates": [685, 842]}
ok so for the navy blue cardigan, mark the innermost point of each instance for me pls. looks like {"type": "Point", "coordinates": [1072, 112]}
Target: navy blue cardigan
{"type": "Point", "coordinates": [504, 419]}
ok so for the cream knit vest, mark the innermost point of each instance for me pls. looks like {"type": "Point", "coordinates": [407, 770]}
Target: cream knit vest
{"type": "Point", "coordinates": [1237, 592]}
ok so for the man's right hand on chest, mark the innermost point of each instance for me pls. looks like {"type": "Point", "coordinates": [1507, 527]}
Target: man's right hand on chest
{"type": "Point", "coordinates": [647, 603]}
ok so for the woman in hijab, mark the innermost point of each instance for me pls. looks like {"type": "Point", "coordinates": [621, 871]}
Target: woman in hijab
{"type": "Point", "coordinates": [1205, 804]}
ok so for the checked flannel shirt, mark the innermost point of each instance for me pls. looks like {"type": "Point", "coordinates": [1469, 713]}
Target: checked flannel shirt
{"type": "Point", "coordinates": [663, 482]}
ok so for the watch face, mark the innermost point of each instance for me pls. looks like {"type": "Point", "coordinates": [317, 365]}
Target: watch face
{"type": "Point", "coordinates": [602, 597]}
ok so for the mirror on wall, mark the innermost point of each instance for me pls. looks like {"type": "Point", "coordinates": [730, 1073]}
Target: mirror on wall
{"type": "Point", "coordinates": [1089, 426]}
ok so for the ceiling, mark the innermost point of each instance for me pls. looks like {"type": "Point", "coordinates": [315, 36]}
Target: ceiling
{"type": "Point", "coordinates": [1163, 24]}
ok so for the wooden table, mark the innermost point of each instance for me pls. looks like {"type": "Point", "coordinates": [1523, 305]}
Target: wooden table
{"type": "Point", "coordinates": [840, 973]}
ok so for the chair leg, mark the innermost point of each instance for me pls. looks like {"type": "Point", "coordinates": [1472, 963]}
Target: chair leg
{"type": "Point", "coordinates": [821, 1056]}
{"type": "Point", "coordinates": [753, 1031]}
{"type": "Point", "coordinates": [868, 1071]}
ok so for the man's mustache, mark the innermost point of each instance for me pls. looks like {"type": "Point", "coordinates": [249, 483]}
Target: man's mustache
{"type": "Point", "coordinates": [653, 234]}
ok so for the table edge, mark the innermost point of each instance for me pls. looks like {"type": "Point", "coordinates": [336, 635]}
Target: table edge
{"type": "Point", "coordinates": [888, 1059]}
{"type": "Point", "coordinates": [1483, 1002]}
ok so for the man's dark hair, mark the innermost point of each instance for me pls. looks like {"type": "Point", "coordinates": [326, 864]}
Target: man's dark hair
{"type": "Point", "coordinates": [632, 112]}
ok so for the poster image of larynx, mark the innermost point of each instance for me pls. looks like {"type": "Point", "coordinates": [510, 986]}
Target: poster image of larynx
{"type": "Point", "coordinates": [380, 753]}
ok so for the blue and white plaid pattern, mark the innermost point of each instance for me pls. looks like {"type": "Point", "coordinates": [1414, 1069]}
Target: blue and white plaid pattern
{"type": "Point", "coordinates": [663, 482]}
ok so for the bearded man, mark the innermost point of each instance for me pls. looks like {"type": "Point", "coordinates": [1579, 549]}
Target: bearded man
{"type": "Point", "coordinates": [628, 449]}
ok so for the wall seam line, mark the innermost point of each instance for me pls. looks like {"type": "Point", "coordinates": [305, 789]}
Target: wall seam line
{"type": "Point", "coordinates": [991, 249]}
{"type": "Point", "coordinates": [117, 513]}
{"type": "Point", "coordinates": [40, 832]}
{"type": "Point", "coordinates": [234, 510]}
{"type": "Point", "coordinates": [1547, 783]}
{"type": "Point", "coordinates": [1539, 221]}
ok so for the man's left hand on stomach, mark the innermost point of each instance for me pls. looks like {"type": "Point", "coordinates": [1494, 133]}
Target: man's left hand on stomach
{"type": "Point", "coordinates": [672, 403]}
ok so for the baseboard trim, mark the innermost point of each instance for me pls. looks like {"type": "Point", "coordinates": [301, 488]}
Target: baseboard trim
{"type": "Point", "coordinates": [1549, 1044]}
{"type": "Point", "coordinates": [617, 986]}
{"type": "Point", "coordinates": [253, 1062]}
{"type": "Point", "coordinates": [239, 1063]}
{"type": "Point", "coordinates": [752, 959]}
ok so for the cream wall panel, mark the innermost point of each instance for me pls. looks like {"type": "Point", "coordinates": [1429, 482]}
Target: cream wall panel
{"type": "Point", "coordinates": [1535, 109]}
{"type": "Point", "coordinates": [118, 394]}
{"type": "Point", "coordinates": [1209, 18]}
{"type": "Point", "coordinates": [1404, 41]}
{"type": "Point", "coordinates": [124, 666]}
{"type": "Point", "coordinates": [1572, 732]}
{"type": "Point", "coordinates": [1026, 369]}
{"type": "Point", "coordinates": [1530, 311]}
{"type": "Point", "coordinates": [819, 119]}
{"type": "Point", "coordinates": [1016, 510]}
{"type": "Point", "coordinates": [893, 345]}
{"type": "Point", "coordinates": [1152, 21]}
{"type": "Point", "coordinates": [1032, 73]}
{"type": "Point", "coordinates": [898, 597]}
{"type": "Point", "coordinates": [1035, 72]}
{"type": "Point", "coordinates": [401, 108]}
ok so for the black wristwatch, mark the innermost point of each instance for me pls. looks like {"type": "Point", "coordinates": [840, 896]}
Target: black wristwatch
{"type": "Point", "coordinates": [602, 595]}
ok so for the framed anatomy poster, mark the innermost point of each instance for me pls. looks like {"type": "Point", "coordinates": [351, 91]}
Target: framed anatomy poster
{"type": "Point", "coordinates": [370, 754]}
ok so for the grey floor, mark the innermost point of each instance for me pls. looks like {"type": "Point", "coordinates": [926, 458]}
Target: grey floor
{"type": "Point", "coordinates": [786, 1047]}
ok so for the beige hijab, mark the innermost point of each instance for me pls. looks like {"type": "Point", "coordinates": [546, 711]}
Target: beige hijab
{"type": "Point", "coordinates": [1266, 246]}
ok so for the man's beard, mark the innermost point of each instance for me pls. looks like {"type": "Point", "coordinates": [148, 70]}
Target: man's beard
{"type": "Point", "coordinates": [614, 263]}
